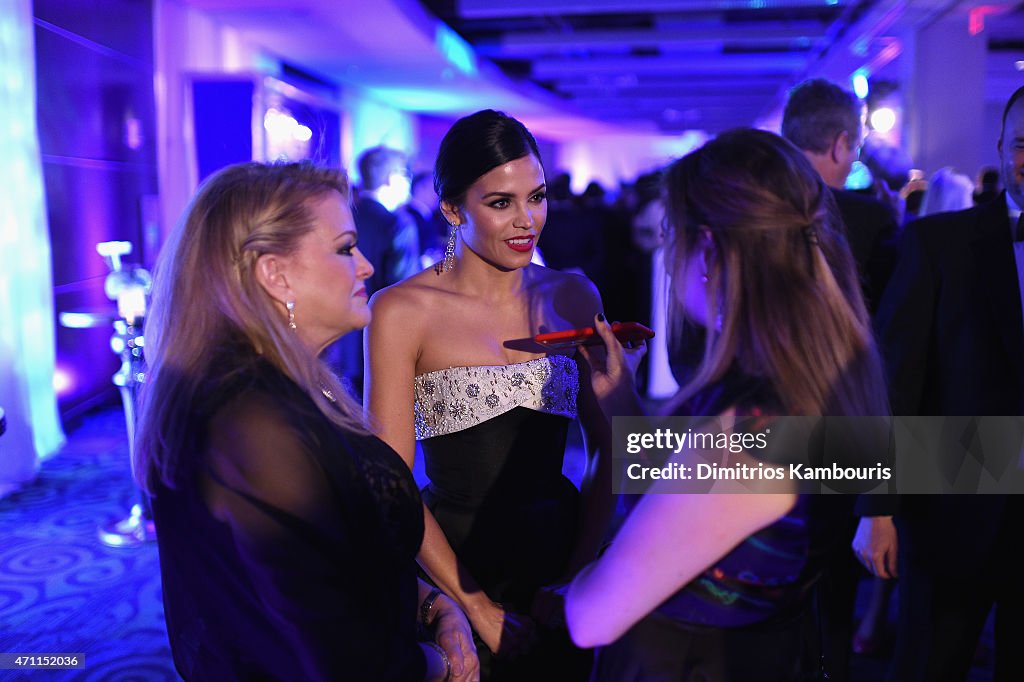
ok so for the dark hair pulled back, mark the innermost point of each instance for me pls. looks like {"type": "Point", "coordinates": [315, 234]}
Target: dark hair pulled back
{"type": "Point", "coordinates": [474, 145]}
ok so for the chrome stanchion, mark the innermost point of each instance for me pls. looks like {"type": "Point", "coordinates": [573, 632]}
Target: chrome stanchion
{"type": "Point", "coordinates": [128, 342]}
{"type": "Point", "coordinates": [128, 286]}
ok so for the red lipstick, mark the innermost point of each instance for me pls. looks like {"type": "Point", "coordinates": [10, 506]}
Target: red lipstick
{"type": "Point", "coordinates": [520, 244]}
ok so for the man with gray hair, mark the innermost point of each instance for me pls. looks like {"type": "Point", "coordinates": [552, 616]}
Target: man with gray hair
{"type": "Point", "coordinates": [827, 124]}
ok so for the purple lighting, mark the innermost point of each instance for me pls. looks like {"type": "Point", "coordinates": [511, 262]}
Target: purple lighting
{"type": "Point", "coordinates": [63, 381]}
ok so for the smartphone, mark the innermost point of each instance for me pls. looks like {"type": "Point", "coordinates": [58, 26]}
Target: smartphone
{"type": "Point", "coordinates": [625, 332]}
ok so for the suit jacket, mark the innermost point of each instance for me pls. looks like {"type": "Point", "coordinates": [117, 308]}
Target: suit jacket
{"type": "Point", "coordinates": [388, 240]}
{"type": "Point", "coordinates": [871, 231]}
{"type": "Point", "coordinates": [950, 324]}
{"type": "Point", "coordinates": [952, 334]}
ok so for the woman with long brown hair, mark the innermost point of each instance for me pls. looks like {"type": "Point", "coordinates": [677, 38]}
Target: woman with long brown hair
{"type": "Point", "coordinates": [714, 586]}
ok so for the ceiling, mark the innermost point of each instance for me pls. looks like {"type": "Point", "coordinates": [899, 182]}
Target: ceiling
{"type": "Point", "coordinates": [568, 67]}
{"type": "Point", "coordinates": [708, 64]}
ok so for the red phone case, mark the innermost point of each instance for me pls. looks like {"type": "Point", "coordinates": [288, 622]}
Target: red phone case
{"type": "Point", "coordinates": [625, 332]}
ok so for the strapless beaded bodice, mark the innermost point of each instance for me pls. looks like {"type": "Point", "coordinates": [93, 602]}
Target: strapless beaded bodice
{"type": "Point", "coordinates": [457, 398]}
{"type": "Point", "coordinates": [493, 440]}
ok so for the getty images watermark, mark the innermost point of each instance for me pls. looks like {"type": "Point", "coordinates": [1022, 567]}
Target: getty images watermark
{"type": "Point", "coordinates": [733, 442]}
{"type": "Point", "coordinates": [862, 455]}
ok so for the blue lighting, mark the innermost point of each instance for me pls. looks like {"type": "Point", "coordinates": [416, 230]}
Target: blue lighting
{"type": "Point", "coordinates": [27, 356]}
{"type": "Point", "coordinates": [860, 83]}
{"type": "Point", "coordinates": [455, 50]}
{"type": "Point", "coordinates": [429, 100]}
{"type": "Point", "coordinates": [859, 177]}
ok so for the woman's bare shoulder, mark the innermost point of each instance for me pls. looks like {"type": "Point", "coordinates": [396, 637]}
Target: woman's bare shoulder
{"type": "Point", "coordinates": [415, 298]}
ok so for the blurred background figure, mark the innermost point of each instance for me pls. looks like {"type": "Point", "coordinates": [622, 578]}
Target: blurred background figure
{"type": "Point", "coordinates": [656, 379]}
{"type": "Point", "coordinates": [634, 231]}
{"type": "Point", "coordinates": [389, 238]}
{"type": "Point", "coordinates": [573, 237]}
{"type": "Point", "coordinates": [989, 186]}
{"type": "Point", "coordinates": [912, 194]}
{"type": "Point", "coordinates": [947, 191]}
{"type": "Point", "coordinates": [827, 123]}
{"type": "Point", "coordinates": [424, 210]}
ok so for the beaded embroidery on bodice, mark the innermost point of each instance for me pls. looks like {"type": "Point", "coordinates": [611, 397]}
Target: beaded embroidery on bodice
{"type": "Point", "coordinates": [453, 399]}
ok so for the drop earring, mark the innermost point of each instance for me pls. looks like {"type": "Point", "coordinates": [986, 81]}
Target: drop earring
{"type": "Point", "coordinates": [290, 305]}
{"type": "Point", "coordinates": [448, 263]}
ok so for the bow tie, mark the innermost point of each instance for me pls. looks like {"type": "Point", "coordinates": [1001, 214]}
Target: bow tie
{"type": "Point", "coordinates": [1018, 233]}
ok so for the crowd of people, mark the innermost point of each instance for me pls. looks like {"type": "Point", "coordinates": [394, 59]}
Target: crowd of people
{"type": "Point", "coordinates": [294, 543]}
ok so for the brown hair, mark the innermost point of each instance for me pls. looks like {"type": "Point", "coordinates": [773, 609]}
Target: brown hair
{"type": "Point", "coordinates": [788, 295]}
{"type": "Point", "coordinates": [206, 295]}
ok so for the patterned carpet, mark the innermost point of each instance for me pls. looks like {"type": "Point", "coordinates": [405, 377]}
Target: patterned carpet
{"type": "Point", "coordinates": [62, 591]}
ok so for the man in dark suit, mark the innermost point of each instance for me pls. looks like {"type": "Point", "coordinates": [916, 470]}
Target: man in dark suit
{"type": "Point", "coordinates": [827, 124]}
{"type": "Point", "coordinates": [431, 227]}
{"type": "Point", "coordinates": [952, 332]}
{"type": "Point", "coordinates": [387, 238]}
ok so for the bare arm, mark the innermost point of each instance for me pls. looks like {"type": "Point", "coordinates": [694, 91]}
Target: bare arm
{"type": "Point", "coordinates": [392, 345]}
{"type": "Point", "coordinates": [667, 541]}
{"type": "Point", "coordinates": [641, 569]}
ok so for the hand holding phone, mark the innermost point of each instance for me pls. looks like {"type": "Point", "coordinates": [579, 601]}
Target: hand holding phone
{"type": "Point", "coordinates": [627, 333]}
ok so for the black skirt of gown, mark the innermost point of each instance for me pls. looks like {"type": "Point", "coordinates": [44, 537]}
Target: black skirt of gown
{"type": "Point", "coordinates": [511, 517]}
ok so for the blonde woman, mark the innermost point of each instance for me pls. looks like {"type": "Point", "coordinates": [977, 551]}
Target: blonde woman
{"type": "Point", "coordinates": [287, 531]}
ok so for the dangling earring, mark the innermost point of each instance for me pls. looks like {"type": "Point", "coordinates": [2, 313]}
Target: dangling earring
{"type": "Point", "coordinates": [448, 263]}
{"type": "Point", "coordinates": [705, 278]}
{"type": "Point", "coordinates": [290, 305]}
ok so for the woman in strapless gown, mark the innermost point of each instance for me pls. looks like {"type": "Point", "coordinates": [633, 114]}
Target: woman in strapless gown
{"type": "Point", "coordinates": [451, 363]}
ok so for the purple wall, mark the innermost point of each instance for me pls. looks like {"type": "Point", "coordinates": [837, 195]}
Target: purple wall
{"type": "Point", "coordinates": [97, 135]}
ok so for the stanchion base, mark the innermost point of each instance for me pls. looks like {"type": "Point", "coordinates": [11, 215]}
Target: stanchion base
{"type": "Point", "coordinates": [131, 531]}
